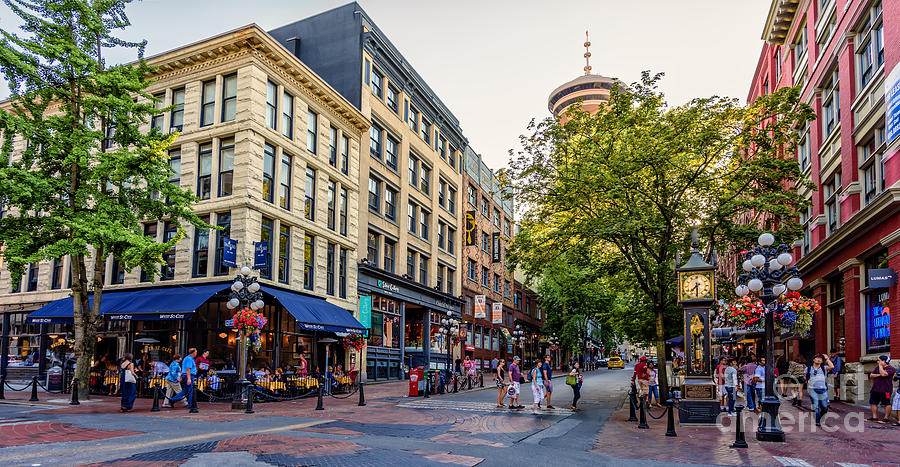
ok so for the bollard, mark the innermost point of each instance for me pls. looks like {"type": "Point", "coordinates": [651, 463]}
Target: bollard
{"type": "Point", "coordinates": [75, 393]}
{"type": "Point", "coordinates": [249, 406]}
{"type": "Point", "coordinates": [193, 400]}
{"type": "Point", "coordinates": [319, 405]}
{"type": "Point", "coordinates": [643, 423]}
{"type": "Point", "coordinates": [155, 399]}
{"type": "Point", "coordinates": [362, 394]}
{"type": "Point", "coordinates": [481, 379]}
{"type": "Point", "coordinates": [2, 383]}
{"type": "Point", "coordinates": [632, 403]}
{"type": "Point", "coordinates": [34, 383]}
{"type": "Point", "coordinates": [739, 441]}
{"type": "Point", "coordinates": [670, 425]}
{"type": "Point", "coordinates": [455, 384]}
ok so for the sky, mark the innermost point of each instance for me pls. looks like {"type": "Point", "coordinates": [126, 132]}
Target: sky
{"type": "Point", "coordinates": [495, 62]}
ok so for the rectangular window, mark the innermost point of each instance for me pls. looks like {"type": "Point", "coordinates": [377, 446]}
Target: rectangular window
{"type": "Point", "coordinates": [442, 232]}
{"type": "Point", "coordinates": [223, 221]}
{"type": "Point", "coordinates": [507, 291]}
{"type": "Point", "coordinates": [176, 119]}
{"type": "Point", "coordinates": [149, 231]}
{"type": "Point", "coordinates": [284, 254]}
{"type": "Point", "coordinates": [329, 269]}
{"type": "Point", "coordinates": [268, 187]}
{"type": "Point", "coordinates": [473, 197]}
{"type": "Point", "coordinates": [208, 103]}
{"type": "Point", "coordinates": [374, 194]}
{"type": "Point", "coordinates": [375, 134]}
{"type": "Point", "coordinates": [310, 203]}
{"type": "Point", "coordinates": [390, 248]}
{"type": "Point", "coordinates": [485, 277]}
{"type": "Point", "coordinates": [411, 217]}
{"type": "Point", "coordinates": [413, 170]}
{"type": "Point", "coordinates": [167, 270]}
{"type": "Point", "coordinates": [496, 218]}
{"type": "Point", "coordinates": [442, 147]}
{"type": "Point", "coordinates": [450, 274]}
{"type": "Point", "coordinates": [204, 174]}
{"type": "Point", "coordinates": [472, 270]}
{"type": "Point", "coordinates": [390, 203]}
{"type": "Point", "coordinates": [342, 274]}
{"type": "Point", "coordinates": [312, 122]}
{"type": "Point", "coordinates": [287, 115]}
{"type": "Point", "coordinates": [393, 98]}
{"type": "Point", "coordinates": [413, 119]}
{"type": "Point", "coordinates": [390, 152]}
{"type": "Point", "coordinates": [507, 227]}
{"type": "Point", "coordinates": [284, 193]}
{"type": "Point", "coordinates": [33, 277]}
{"type": "Point", "coordinates": [156, 121]}
{"type": "Point", "coordinates": [423, 270]}
{"type": "Point", "coordinates": [309, 258]}
{"type": "Point", "coordinates": [831, 105]}
{"type": "Point", "coordinates": [801, 43]}
{"type": "Point", "coordinates": [426, 130]}
{"type": "Point", "coordinates": [229, 97]}
{"type": "Point", "coordinates": [267, 235]}
{"type": "Point", "coordinates": [332, 193]}
{"type": "Point", "coordinates": [451, 240]}
{"type": "Point", "coordinates": [832, 204]}
{"type": "Point", "coordinates": [451, 201]}
{"type": "Point", "coordinates": [377, 83]}
{"type": "Point", "coordinates": [485, 208]}
{"type": "Point", "coordinates": [343, 211]}
{"type": "Point", "coordinates": [56, 280]}
{"type": "Point", "coordinates": [271, 105]}
{"type": "Point", "coordinates": [871, 52]}
{"type": "Point", "coordinates": [332, 146]}
{"type": "Point", "coordinates": [485, 242]}
{"type": "Point", "coordinates": [201, 249]}
{"type": "Point", "coordinates": [777, 59]}
{"type": "Point", "coordinates": [497, 283]}
{"type": "Point", "coordinates": [451, 156]}
{"type": "Point", "coordinates": [345, 155]}
{"type": "Point", "coordinates": [118, 271]}
{"type": "Point", "coordinates": [411, 264]}
{"type": "Point", "coordinates": [442, 193]}
{"type": "Point", "coordinates": [175, 165]}
{"type": "Point", "coordinates": [372, 247]}
{"type": "Point", "coordinates": [226, 166]}
{"type": "Point", "coordinates": [425, 184]}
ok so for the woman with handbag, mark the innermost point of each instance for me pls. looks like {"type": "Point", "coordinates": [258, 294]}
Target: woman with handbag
{"type": "Point", "coordinates": [500, 379]}
{"type": "Point", "coordinates": [128, 377]}
{"type": "Point", "coordinates": [574, 381]}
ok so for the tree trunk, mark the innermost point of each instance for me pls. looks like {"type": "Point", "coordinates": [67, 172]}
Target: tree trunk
{"type": "Point", "coordinates": [662, 371]}
{"type": "Point", "coordinates": [86, 320]}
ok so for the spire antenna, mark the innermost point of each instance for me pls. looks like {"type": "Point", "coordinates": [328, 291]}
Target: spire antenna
{"type": "Point", "coordinates": [587, 54]}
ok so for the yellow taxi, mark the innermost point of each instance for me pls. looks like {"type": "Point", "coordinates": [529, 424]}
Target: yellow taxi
{"type": "Point", "coordinates": [616, 362]}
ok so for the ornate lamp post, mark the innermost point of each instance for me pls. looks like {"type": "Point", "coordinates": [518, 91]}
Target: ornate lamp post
{"type": "Point", "coordinates": [244, 293]}
{"type": "Point", "coordinates": [449, 329]}
{"type": "Point", "coordinates": [518, 338]}
{"type": "Point", "coordinates": [553, 342]}
{"type": "Point", "coordinates": [766, 268]}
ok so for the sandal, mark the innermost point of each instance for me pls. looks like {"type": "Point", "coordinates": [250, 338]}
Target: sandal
{"type": "Point", "coordinates": [870, 419]}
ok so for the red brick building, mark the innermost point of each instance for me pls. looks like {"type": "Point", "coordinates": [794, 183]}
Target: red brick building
{"type": "Point", "coordinates": [842, 53]}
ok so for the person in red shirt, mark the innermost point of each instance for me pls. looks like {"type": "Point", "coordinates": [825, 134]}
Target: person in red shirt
{"type": "Point", "coordinates": [642, 376]}
{"type": "Point", "coordinates": [203, 364]}
{"type": "Point", "coordinates": [720, 383]}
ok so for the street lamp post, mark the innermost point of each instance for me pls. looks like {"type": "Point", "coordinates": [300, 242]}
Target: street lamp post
{"type": "Point", "coordinates": [244, 293]}
{"type": "Point", "coordinates": [552, 341]}
{"type": "Point", "coordinates": [449, 329]}
{"type": "Point", "coordinates": [766, 268]}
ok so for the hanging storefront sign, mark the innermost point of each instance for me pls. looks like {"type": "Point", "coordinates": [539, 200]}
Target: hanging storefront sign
{"type": "Point", "coordinates": [892, 105]}
{"type": "Point", "coordinates": [365, 311]}
{"type": "Point", "coordinates": [495, 247]}
{"type": "Point", "coordinates": [229, 252]}
{"type": "Point", "coordinates": [878, 327]}
{"type": "Point", "coordinates": [480, 301]}
{"type": "Point", "coordinates": [884, 277]}
{"type": "Point", "coordinates": [497, 313]}
{"type": "Point", "coordinates": [470, 228]}
{"type": "Point", "coordinates": [260, 255]}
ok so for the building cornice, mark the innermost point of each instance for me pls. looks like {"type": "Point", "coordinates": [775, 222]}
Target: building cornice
{"type": "Point", "coordinates": [891, 238]}
{"type": "Point", "coordinates": [850, 263]}
{"type": "Point", "coordinates": [778, 22]}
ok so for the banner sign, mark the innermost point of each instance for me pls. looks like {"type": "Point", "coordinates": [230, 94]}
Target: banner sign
{"type": "Point", "coordinates": [497, 313]}
{"type": "Point", "coordinates": [229, 252]}
{"type": "Point", "coordinates": [495, 247]}
{"type": "Point", "coordinates": [479, 306]}
{"type": "Point", "coordinates": [879, 278]}
{"type": "Point", "coordinates": [892, 105]}
{"type": "Point", "coordinates": [147, 316]}
{"type": "Point", "coordinates": [470, 228]}
{"type": "Point", "coordinates": [365, 311]}
{"type": "Point", "coordinates": [260, 255]}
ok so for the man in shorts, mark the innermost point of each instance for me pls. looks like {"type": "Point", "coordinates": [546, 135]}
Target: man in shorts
{"type": "Point", "coordinates": [546, 371]}
{"type": "Point", "coordinates": [720, 383]}
{"type": "Point", "coordinates": [882, 387]}
{"type": "Point", "coordinates": [515, 373]}
{"type": "Point", "coordinates": [642, 377]}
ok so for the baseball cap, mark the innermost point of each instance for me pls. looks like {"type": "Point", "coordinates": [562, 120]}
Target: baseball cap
{"type": "Point", "coordinates": [885, 358]}
{"type": "Point", "coordinates": [516, 358]}
{"type": "Point", "coordinates": [643, 359]}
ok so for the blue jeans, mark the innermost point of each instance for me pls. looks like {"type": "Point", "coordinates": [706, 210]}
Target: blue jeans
{"type": "Point", "coordinates": [751, 396]}
{"type": "Point", "coordinates": [819, 398]}
{"type": "Point", "coordinates": [654, 392]}
{"type": "Point", "coordinates": [129, 394]}
{"type": "Point", "coordinates": [730, 392]}
{"type": "Point", "coordinates": [759, 396]}
{"type": "Point", "coordinates": [187, 392]}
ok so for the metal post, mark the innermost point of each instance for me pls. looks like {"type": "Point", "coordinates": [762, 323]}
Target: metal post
{"type": "Point", "coordinates": [249, 408]}
{"type": "Point", "coordinates": [2, 383]}
{"type": "Point", "coordinates": [319, 405]}
{"type": "Point", "coordinates": [34, 383]}
{"type": "Point", "coordinates": [632, 402]}
{"type": "Point", "coordinates": [670, 424]}
{"type": "Point", "coordinates": [769, 427]}
{"type": "Point", "coordinates": [643, 423]}
{"type": "Point", "coordinates": [739, 441]}
{"type": "Point", "coordinates": [362, 394]}
{"type": "Point", "coordinates": [4, 345]}
{"type": "Point", "coordinates": [42, 351]}
{"type": "Point", "coordinates": [239, 402]}
{"type": "Point", "coordinates": [74, 392]}
{"type": "Point", "coordinates": [155, 399]}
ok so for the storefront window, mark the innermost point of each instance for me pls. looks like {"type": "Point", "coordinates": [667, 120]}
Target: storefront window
{"type": "Point", "coordinates": [376, 331]}
{"type": "Point", "coordinates": [878, 321]}
{"type": "Point", "coordinates": [414, 326]}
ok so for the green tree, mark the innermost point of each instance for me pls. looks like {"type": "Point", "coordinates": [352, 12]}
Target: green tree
{"type": "Point", "coordinates": [88, 176]}
{"type": "Point", "coordinates": [631, 180]}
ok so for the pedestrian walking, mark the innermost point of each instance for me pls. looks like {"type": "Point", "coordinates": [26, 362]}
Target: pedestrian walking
{"type": "Point", "coordinates": [748, 370]}
{"type": "Point", "coordinates": [128, 377]}
{"type": "Point", "coordinates": [759, 382]}
{"type": "Point", "coordinates": [537, 387]}
{"type": "Point", "coordinates": [653, 383]}
{"type": "Point", "coordinates": [720, 382]}
{"type": "Point", "coordinates": [173, 380]}
{"type": "Point", "coordinates": [782, 367]}
{"type": "Point", "coordinates": [731, 381]}
{"type": "Point", "coordinates": [882, 387]}
{"type": "Point", "coordinates": [574, 381]}
{"type": "Point", "coordinates": [189, 376]}
{"type": "Point", "coordinates": [797, 371]}
{"type": "Point", "coordinates": [547, 370]}
{"type": "Point", "coordinates": [515, 375]}
{"type": "Point", "coordinates": [642, 377]}
{"type": "Point", "coordinates": [836, 373]}
{"type": "Point", "coordinates": [500, 379]}
{"type": "Point", "coordinates": [896, 404]}
{"type": "Point", "coordinates": [817, 384]}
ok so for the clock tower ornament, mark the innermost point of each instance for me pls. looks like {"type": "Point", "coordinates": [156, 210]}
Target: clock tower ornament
{"type": "Point", "coordinates": [696, 293]}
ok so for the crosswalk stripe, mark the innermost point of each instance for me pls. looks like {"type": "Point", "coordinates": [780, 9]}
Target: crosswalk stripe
{"type": "Point", "coordinates": [16, 421]}
{"type": "Point", "coordinates": [474, 407]}
{"type": "Point", "coordinates": [851, 464]}
{"type": "Point", "coordinates": [792, 461]}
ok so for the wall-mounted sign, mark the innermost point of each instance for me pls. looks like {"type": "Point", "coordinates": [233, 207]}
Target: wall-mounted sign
{"type": "Point", "coordinates": [229, 252]}
{"type": "Point", "coordinates": [495, 247]}
{"type": "Point", "coordinates": [480, 301]}
{"type": "Point", "coordinates": [878, 329]}
{"type": "Point", "coordinates": [260, 255]}
{"type": "Point", "coordinates": [388, 286]}
{"type": "Point", "coordinates": [470, 228]}
{"type": "Point", "coordinates": [365, 311]}
{"type": "Point", "coordinates": [884, 277]}
{"type": "Point", "coordinates": [497, 313]}
{"type": "Point", "coordinates": [892, 107]}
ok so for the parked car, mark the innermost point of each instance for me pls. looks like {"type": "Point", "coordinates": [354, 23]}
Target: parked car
{"type": "Point", "coordinates": [615, 362]}
{"type": "Point", "coordinates": [603, 362]}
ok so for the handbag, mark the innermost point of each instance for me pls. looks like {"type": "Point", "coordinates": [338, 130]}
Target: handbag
{"type": "Point", "coordinates": [572, 380]}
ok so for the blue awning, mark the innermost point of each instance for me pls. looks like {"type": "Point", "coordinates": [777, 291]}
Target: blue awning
{"type": "Point", "coordinates": [316, 314]}
{"type": "Point", "coordinates": [151, 303]}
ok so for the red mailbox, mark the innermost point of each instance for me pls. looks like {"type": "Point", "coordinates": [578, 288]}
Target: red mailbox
{"type": "Point", "coordinates": [416, 381]}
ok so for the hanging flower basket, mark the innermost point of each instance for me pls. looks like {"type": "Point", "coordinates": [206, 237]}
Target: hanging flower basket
{"type": "Point", "coordinates": [354, 341]}
{"type": "Point", "coordinates": [250, 323]}
{"type": "Point", "coordinates": [793, 313]}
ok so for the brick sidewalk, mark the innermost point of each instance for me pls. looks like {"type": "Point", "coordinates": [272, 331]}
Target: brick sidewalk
{"type": "Point", "coordinates": [851, 440]}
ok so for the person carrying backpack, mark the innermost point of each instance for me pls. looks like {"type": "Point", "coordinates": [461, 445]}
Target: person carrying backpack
{"type": "Point", "coordinates": [817, 385]}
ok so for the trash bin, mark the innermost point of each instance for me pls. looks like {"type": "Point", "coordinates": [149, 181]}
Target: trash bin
{"type": "Point", "coordinates": [416, 381]}
{"type": "Point", "coordinates": [55, 379]}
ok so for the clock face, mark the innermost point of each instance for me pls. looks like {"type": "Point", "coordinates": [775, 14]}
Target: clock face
{"type": "Point", "coordinates": [696, 286]}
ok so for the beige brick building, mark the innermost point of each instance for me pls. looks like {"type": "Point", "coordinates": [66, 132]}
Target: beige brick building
{"type": "Point", "coordinates": [273, 152]}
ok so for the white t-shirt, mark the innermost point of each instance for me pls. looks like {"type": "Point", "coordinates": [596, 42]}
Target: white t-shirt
{"type": "Point", "coordinates": [761, 374]}
{"type": "Point", "coordinates": [817, 378]}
